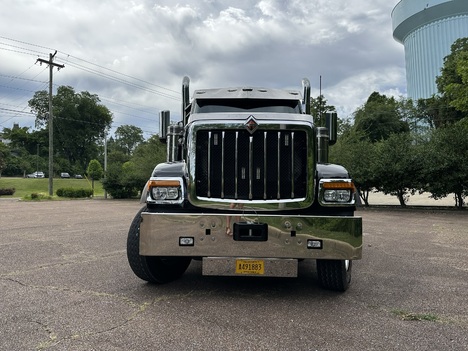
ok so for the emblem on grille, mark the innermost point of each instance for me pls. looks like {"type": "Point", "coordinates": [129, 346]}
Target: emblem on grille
{"type": "Point", "coordinates": [251, 125]}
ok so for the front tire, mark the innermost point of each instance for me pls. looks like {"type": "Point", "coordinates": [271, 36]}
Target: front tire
{"type": "Point", "coordinates": [153, 269]}
{"type": "Point", "coordinates": [334, 274]}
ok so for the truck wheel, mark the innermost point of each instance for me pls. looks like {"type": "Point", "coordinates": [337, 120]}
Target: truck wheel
{"type": "Point", "coordinates": [153, 269]}
{"type": "Point", "coordinates": [334, 274]}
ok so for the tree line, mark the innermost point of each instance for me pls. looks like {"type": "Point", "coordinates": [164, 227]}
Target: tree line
{"type": "Point", "coordinates": [80, 141]}
{"type": "Point", "coordinates": [396, 146]}
{"type": "Point", "coordinates": [402, 147]}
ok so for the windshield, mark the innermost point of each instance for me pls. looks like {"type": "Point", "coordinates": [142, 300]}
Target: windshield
{"type": "Point", "coordinates": [242, 105]}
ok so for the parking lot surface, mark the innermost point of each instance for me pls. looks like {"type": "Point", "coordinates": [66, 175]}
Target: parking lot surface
{"type": "Point", "coordinates": [66, 285]}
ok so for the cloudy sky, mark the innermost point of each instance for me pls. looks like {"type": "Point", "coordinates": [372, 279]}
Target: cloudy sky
{"type": "Point", "coordinates": [134, 54]}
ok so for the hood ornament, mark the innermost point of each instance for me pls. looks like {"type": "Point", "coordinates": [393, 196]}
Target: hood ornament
{"type": "Point", "coordinates": [251, 124]}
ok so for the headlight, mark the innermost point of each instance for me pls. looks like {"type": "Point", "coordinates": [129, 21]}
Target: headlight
{"type": "Point", "coordinates": [336, 192]}
{"type": "Point", "coordinates": [337, 195]}
{"type": "Point", "coordinates": [167, 191]}
{"type": "Point", "coordinates": [160, 193]}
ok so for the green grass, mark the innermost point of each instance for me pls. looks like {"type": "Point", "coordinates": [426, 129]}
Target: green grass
{"type": "Point", "coordinates": [26, 186]}
{"type": "Point", "coordinates": [409, 316]}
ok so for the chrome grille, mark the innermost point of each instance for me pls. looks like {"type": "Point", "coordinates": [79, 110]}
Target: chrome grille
{"type": "Point", "coordinates": [265, 165]}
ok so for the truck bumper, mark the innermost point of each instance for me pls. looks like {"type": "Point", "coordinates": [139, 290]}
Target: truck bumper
{"type": "Point", "coordinates": [300, 237]}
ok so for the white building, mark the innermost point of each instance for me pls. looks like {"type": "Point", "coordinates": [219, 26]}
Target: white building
{"type": "Point", "coordinates": [427, 29]}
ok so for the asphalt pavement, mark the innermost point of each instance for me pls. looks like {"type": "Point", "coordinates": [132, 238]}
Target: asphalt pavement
{"type": "Point", "coordinates": [66, 285]}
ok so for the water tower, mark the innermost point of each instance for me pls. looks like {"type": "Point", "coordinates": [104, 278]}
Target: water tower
{"type": "Point", "coordinates": [427, 29]}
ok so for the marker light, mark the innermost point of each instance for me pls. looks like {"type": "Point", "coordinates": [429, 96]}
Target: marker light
{"type": "Point", "coordinates": [186, 241]}
{"type": "Point", "coordinates": [314, 244]}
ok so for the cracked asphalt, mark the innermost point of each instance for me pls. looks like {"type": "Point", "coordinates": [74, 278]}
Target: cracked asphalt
{"type": "Point", "coordinates": [66, 285]}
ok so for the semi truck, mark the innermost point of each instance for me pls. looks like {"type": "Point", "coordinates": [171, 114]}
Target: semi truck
{"type": "Point", "coordinates": [246, 189]}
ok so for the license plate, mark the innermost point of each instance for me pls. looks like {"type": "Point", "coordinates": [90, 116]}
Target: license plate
{"type": "Point", "coordinates": [250, 267]}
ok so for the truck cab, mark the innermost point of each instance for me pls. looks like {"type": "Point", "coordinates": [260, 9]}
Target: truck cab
{"type": "Point", "coordinates": [248, 190]}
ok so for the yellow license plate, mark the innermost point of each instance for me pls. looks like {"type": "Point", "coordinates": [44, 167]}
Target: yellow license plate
{"type": "Point", "coordinates": [250, 267]}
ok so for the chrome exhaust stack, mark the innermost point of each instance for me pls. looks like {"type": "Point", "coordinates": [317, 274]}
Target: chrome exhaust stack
{"type": "Point", "coordinates": [326, 136]}
{"type": "Point", "coordinates": [185, 99]}
{"type": "Point", "coordinates": [306, 95]}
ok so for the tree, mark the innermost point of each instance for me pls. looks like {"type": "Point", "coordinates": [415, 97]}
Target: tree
{"type": "Point", "coordinates": [380, 117]}
{"type": "Point", "coordinates": [41, 107]}
{"type": "Point", "coordinates": [115, 183]}
{"type": "Point", "coordinates": [360, 147]}
{"type": "Point", "coordinates": [451, 104]}
{"type": "Point", "coordinates": [144, 159]}
{"type": "Point", "coordinates": [80, 121]}
{"type": "Point", "coordinates": [446, 162]}
{"type": "Point", "coordinates": [410, 114]}
{"type": "Point", "coordinates": [128, 137]}
{"type": "Point", "coordinates": [398, 166]}
{"type": "Point", "coordinates": [453, 81]}
{"type": "Point", "coordinates": [126, 177]}
{"type": "Point", "coordinates": [4, 154]}
{"type": "Point", "coordinates": [437, 112]}
{"type": "Point", "coordinates": [19, 137]}
{"type": "Point", "coordinates": [28, 150]}
{"type": "Point", "coordinates": [318, 107]}
{"type": "Point", "coordinates": [94, 171]}
{"type": "Point", "coordinates": [358, 155]}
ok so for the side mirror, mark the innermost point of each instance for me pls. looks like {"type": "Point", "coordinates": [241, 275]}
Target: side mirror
{"type": "Point", "coordinates": [164, 122]}
{"type": "Point", "coordinates": [331, 120]}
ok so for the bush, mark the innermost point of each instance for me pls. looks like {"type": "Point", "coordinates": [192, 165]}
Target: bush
{"type": "Point", "coordinates": [118, 191]}
{"type": "Point", "coordinates": [74, 193]}
{"type": "Point", "coordinates": [9, 191]}
{"type": "Point", "coordinates": [38, 196]}
{"type": "Point", "coordinates": [116, 184]}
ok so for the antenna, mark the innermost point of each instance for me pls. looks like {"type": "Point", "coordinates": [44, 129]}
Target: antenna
{"type": "Point", "coordinates": [320, 85]}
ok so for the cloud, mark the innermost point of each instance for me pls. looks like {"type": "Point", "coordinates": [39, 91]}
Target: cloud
{"type": "Point", "coordinates": [217, 43]}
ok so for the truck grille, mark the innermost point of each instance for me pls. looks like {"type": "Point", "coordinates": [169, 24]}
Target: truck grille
{"type": "Point", "coordinates": [265, 165]}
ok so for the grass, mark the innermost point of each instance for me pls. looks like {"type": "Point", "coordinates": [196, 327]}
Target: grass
{"type": "Point", "coordinates": [26, 186]}
{"type": "Point", "coordinates": [409, 316]}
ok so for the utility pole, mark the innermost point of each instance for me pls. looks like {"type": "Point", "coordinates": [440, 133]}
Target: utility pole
{"type": "Point", "coordinates": [51, 119]}
{"type": "Point", "coordinates": [105, 161]}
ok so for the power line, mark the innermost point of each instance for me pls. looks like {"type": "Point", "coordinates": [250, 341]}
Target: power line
{"type": "Point", "coordinates": [23, 42]}
{"type": "Point", "coordinates": [20, 78]}
{"type": "Point", "coordinates": [32, 52]}
{"type": "Point", "coordinates": [93, 71]}
{"type": "Point", "coordinates": [122, 74]}
{"type": "Point", "coordinates": [15, 88]}
{"type": "Point", "coordinates": [116, 79]}
{"type": "Point", "coordinates": [16, 111]}
{"type": "Point", "coordinates": [91, 68]}
{"type": "Point", "coordinates": [20, 52]}
{"type": "Point", "coordinates": [20, 87]}
{"type": "Point", "coordinates": [112, 101]}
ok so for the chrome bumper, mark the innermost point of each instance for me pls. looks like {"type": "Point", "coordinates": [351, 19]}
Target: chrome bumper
{"type": "Point", "coordinates": [341, 237]}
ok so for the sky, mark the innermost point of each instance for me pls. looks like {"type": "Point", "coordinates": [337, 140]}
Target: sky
{"type": "Point", "coordinates": [134, 54]}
